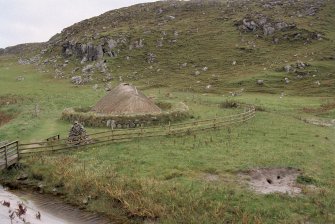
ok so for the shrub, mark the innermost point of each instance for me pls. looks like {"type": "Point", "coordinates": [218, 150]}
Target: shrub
{"type": "Point", "coordinates": [229, 104]}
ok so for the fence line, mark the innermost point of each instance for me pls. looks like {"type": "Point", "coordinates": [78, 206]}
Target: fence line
{"type": "Point", "coordinates": [130, 134]}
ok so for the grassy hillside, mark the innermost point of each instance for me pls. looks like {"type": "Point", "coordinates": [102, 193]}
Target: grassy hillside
{"type": "Point", "coordinates": [198, 52]}
{"type": "Point", "coordinates": [170, 43]}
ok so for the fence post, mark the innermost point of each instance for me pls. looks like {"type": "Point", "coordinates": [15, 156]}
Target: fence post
{"type": "Point", "coordinates": [17, 149]}
{"type": "Point", "coordinates": [244, 115]}
{"type": "Point", "coordinates": [142, 130]}
{"type": "Point", "coordinates": [6, 159]}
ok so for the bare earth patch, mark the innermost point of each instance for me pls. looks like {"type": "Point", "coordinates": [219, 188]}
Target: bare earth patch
{"type": "Point", "coordinates": [320, 122]}
{"type": "Point", "coordinates": [273, 180]}
{"type": "Point", "coordinates": [209, 177]}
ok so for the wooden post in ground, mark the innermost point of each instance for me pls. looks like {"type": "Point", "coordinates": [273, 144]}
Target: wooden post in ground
{"type": "Point", "coordinates": [6, 159]}
{"type": "Point", "coordinates": [17, 149]}
{"type": "Point", "coordinates": [214, 123]}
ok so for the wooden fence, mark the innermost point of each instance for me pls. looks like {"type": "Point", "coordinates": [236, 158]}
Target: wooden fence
{"type": "Point", "coordinates": [9, 154]}
{"type": "Point", "coordinates": [120, 135]}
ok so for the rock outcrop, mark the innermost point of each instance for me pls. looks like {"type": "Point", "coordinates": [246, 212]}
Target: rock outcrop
{"type": "Point", "coordinates": [91, 52]}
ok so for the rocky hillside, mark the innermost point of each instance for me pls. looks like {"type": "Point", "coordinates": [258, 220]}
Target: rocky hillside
{"type": "Point", "coordinates": [210, 46]}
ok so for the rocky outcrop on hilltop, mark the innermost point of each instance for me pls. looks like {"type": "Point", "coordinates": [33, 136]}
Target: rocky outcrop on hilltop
{"type": "Point", "coordinates": [267, 24]}
{"type": "Point", "coordinates": [92, 52]}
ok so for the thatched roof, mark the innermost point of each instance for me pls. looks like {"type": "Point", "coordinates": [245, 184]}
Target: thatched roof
{"type": "Point", "coordinates": [126, 100]}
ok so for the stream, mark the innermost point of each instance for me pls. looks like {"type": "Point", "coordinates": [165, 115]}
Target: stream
{"type": "Point", "coordinates": [41, 209]}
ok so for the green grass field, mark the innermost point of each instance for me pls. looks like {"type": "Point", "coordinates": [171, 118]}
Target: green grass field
{"type": "Point", "coordinates": [193, 178]}
{"type": "Point", "coordinates": [165, 179]}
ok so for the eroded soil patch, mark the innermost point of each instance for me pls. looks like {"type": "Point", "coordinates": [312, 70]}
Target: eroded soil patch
{"type": "Point", "coordinates": [273, 180]}
{"type": "Point", "coordinates": [320, 122]}
{"type": "Point", "coordinates": [210, 177]}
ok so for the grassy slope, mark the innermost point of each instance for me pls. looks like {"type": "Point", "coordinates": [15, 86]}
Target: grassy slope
{"type": "Point", "coordinates": [165, 177]}
{"type": "Point", "coordinates": [208, 37]}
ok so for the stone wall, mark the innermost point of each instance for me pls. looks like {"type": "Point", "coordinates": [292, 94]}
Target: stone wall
{"type": "Point", "coordinates": [91, 119]}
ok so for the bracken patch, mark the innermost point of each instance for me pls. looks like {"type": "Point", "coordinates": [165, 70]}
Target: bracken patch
{"type": "Point", "coordinates": [4, 118]}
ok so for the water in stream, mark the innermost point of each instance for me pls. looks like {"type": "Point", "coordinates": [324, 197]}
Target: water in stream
{"type": "Point", "coordinates": [51, 209]}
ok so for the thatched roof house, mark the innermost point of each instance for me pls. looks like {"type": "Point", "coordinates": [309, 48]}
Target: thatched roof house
{"type": "Point", "coordinates": [126, 100]}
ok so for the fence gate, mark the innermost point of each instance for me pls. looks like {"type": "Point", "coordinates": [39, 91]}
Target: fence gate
{"type": "Point", "coordinates": [9, 154]}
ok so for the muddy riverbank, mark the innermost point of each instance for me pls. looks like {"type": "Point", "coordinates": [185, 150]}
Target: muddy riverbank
{"type": "Point", "coordinates": [25, 206]}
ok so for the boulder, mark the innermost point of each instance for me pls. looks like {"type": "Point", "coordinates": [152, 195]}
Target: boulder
{"type": "Point", "coordinates": [288, 68]}
{"type": "Point", "coordinates": [260, 82]}
{"type": "Point", "coordinates": [287, 81]}
{"type": "Point", "coordinates": [77, 80]}
{"type": "Point", "coordinates": [268, 30]}
{"type": "Point", "coordinates": [88, 68]}
{"type": "Point", "coordinates": [249, 25]}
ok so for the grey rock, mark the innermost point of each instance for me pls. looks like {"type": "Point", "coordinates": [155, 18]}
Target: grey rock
{"type": "Point", "coordinates": [260, 82]}
{"type": "Point", "coordinates": [83, 60]}
{"type": "Point", "coordinates": [268, 30]}
{"type": "Point", "coordinates": [111, 124]}
{"type": "Point", "coordinates": [99, 52]}
{"type": "Point", "coordinates": [301, 65]}
{"type": "Point", "coordinates": [77, 80]}
{"type": "Point", "coordinates": [95, 86]}
{"type": "Point", "coordinates": [151, 57]}
{"type": "Point", "coordinates": [184, 65]}
{"type": "Point", "coordinates": [20, 78]}
{"type": "Point", "coordinates": [139, 44]}
{"type": "Point", "coordinates": [88, 68]}
{"type": "Point", "coordinates": [108, 86]}
{"type": "Point", "coordinates": [281, 25]}
{"type": "Point", "coordinates": [108, 77]}
{"type": "Point", "coordinates": [22, 177]}
{"type": "Point", "coordinates": [288, 68]}
{"type": "Point", "coordinates": [101, 66]}
{"type": "Point", "coordinates": [171, 17]}
{"type": "Point", "coordinates": [159, 43]}
{"type": "Point", "coordinates": [249, 25]}
{"type": "Point", "coordinates": [112, 44]}
{"type": "Point", "coordinates": [68, 52]}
